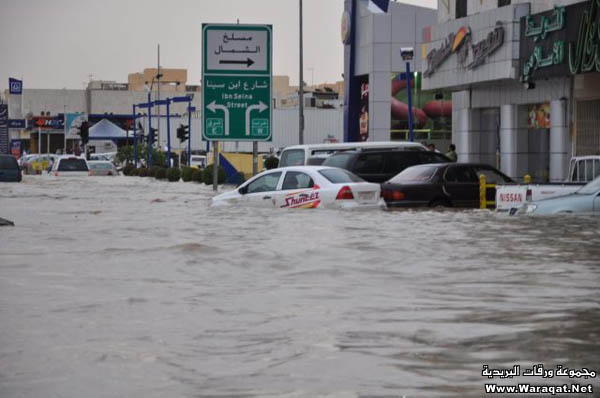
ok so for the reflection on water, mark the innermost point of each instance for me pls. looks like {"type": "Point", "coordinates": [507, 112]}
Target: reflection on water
{"type": "Point", "coordinates": [113, 287]}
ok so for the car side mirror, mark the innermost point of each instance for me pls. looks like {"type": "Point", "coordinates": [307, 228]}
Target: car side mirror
{"type": "Point", "coordinates": [243, 190]}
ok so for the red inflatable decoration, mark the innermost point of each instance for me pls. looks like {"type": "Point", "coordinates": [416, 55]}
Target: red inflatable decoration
{"type": "Point", "coordinates": [438, 108]}
{"type": "Point", "coordinates": [400, 112]}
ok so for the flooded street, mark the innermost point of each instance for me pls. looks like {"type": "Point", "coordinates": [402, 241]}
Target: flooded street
{"type": "Point", "coordinates": [132, 287]}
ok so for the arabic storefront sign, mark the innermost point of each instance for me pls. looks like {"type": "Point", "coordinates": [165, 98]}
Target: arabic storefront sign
{"type": "Point", "coordinates": [459, 43]}
{"type": "Point", "coordinates": [3, 129]}
{"type": "Point", "coordinates": [584, 54]}
{"type": "Point", "coordinates": [560, 42]}
{"type": "Point", "coordinates": [236, 76]}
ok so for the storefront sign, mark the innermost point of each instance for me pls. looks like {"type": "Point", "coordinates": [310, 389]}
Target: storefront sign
{"type": "Point", "coordinates": [546, 37]}
{"type": "Point", "coordinates": [459, 43]}
{"type": "Point", "coordinates": [584, 55]}
{"type": "Point", "coordinates": [486, 47]}
{"type": "Point", "coordinates": [49, 122]}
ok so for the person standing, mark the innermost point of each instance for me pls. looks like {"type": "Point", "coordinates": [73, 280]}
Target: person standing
{"type": "Point", "coordinates": [452, 153]}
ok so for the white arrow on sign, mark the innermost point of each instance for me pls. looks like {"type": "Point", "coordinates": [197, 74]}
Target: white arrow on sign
{"type": "Point", "coordinates": [213, 106]}
{"type": "Point", "coordinates": [261, 107]}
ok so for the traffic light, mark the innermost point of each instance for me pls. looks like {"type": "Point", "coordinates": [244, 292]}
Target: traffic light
{"type": "Point", "coordinates": [182, 133]}
{"type": "Point", "coordinates": [151, 137]}
{"type": "Point", "coordinates": [84, 132]}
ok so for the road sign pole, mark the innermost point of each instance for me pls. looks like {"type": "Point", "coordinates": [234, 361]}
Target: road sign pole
{"type": "Point", "coordinates": [215, 165]}
{"type": "Point", "coordinates": [254, 158]}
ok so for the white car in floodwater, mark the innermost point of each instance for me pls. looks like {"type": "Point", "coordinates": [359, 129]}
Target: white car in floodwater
{"type": "Point", "coordinates": [304, 187]}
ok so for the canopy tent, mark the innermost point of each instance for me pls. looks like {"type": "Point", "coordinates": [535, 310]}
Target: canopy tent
{"type": "Point", "coordinates": [106, 130]}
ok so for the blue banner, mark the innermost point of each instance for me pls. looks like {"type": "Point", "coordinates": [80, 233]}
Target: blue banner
{"type": "Point", "coordinates": [15, 86]}
{"type": "Point", "coordinates": [16, 123]}
{"type": "Point", "coordinates": [3, 129]}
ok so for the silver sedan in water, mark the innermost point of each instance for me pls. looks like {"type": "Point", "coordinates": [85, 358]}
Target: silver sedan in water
{"type": "Point", "coordinates": [584, 200]}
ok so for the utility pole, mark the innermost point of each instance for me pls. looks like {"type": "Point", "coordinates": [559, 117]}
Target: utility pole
{"type": "Point", "coordinates": [301, 93]}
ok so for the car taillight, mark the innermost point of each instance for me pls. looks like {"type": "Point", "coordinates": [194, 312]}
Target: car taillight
{"type": "Point", "coordinates": [56, 173]}
{"type": "Point", "coordinates": [344, 193]}
{"type": "Point", "coordinates": [89, 172]}
{"type": "Point", "coordinates": [397, 195]}
{"type": "Point", "coordinates": [528, 195]}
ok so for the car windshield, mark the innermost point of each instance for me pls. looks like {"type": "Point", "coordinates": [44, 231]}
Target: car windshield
{"type": "Point", "coordinates": [8, 163]}
{"type": "Point", "coordinates": [414, 174]}
{"type": "Point", "coordinates": [590, 188]}
{"type": "Point", "coordinates": [340, 176]}
{"type": "Point", "coordinates": [339, 160]}
{"type": "Point", "coordinates": [72, 164]}
{"type": "Point", "coordinates": [293, 157]}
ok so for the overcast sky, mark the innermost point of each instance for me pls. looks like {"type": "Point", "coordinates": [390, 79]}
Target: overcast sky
{"type": "Point", "coordinates": [60, 43]}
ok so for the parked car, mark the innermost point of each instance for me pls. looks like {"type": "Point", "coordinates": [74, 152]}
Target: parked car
{"type": "Point", "coordinates": [582, 169]}
{"type": "Point", "coordinates": [102, 168]}
{"type": "Point", "coordinates": [71, 166]}
{"type": "Point", "coordinates": [304, 187]}
{"type": "Point", "coordinates": [298, 155]}
{"type": "Point", "coordinates": [585, 200]}
{"type": "Point", "coordinates": [9, 169]}
{"type": "Point", "coordinates": [443, 184]}
{"type": "Point", "coordinates": [381, 165]}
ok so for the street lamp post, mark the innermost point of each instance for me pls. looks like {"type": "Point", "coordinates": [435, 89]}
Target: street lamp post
{"type": "Point", "coordinates": [301, 92]}
{"type": "Point", "coordinates": [407, 55]}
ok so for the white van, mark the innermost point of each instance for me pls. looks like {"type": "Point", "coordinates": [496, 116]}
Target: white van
{"type": "Point", "coordinates": [315, 154]}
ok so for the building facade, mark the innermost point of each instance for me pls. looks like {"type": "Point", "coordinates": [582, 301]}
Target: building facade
{"type": "Point", "coordinates": [372, 57]}
{"type": "Point", "coordinates": [517, 103]}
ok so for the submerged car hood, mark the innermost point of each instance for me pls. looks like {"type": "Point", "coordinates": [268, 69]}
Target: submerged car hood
{"type": "Point", "coordinates": [572, 202]}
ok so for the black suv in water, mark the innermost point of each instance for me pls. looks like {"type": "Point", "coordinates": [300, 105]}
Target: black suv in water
{"type": "Point", "coordinates": [381, 165]}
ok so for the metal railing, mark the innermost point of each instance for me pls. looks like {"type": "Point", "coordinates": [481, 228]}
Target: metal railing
{"type": "Point", "coordinates": [484, 203]}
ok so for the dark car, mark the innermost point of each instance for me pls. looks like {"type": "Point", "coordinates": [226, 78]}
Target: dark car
{"type": "Point", "coordinates": [445, 184]}
{"type": "Point", "coordinates": [9, 169]}
{"type": "Point", "coordinates": [381, 165]}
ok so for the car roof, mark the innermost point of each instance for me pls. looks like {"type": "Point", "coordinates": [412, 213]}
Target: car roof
{"type": "Point", "coordinates": [342, 145]}
{"type": "Point", "coordinates": [100, 162]}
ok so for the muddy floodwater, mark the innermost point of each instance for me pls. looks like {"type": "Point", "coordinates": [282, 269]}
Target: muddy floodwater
{"type": "Point", "coordinates": [132, 287]}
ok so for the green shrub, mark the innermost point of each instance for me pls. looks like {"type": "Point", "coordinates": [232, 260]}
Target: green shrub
{"type": "Point", "coordinates": [152, 171]}
{"type": "Point", "coordinates": [128, 169]}
{"type": "Point", "coordinates": [208, 175]}
{"type": "Point", "coordinates": [186, 173]}
{"type": "Point", "coordinates": [197, 175]}
{"type": "Point", "coordinates": [271, 162]}
{"type": "Point", "coordinates": [143, 172]}
{"type": "Point", "coordinates": [160, 173]}
{"type": "Point", "coordinates": [173, 174]}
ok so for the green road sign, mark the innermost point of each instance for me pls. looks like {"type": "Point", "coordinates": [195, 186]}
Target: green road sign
{"type": "Point", "coordinates": [236, 82]}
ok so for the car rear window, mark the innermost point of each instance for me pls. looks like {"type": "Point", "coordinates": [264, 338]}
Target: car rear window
{"type": "Point", "coordinates": [292, 157]}
{"type": "Point", "coordinates": [339, 160]}
{"type": "Point", "coordinates": [72, 165]}
{"type": "Point", "coordinates": [100, 166]}
{"type": "Point", "coordinates": [8, 163]}
{"type": "Point", "coordinates": [340, 176]}
{"type": "Point", "coordinates": [415, 173]}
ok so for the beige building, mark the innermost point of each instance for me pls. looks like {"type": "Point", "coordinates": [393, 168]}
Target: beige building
{"type": "Point", "coordinates": [172, 80]}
